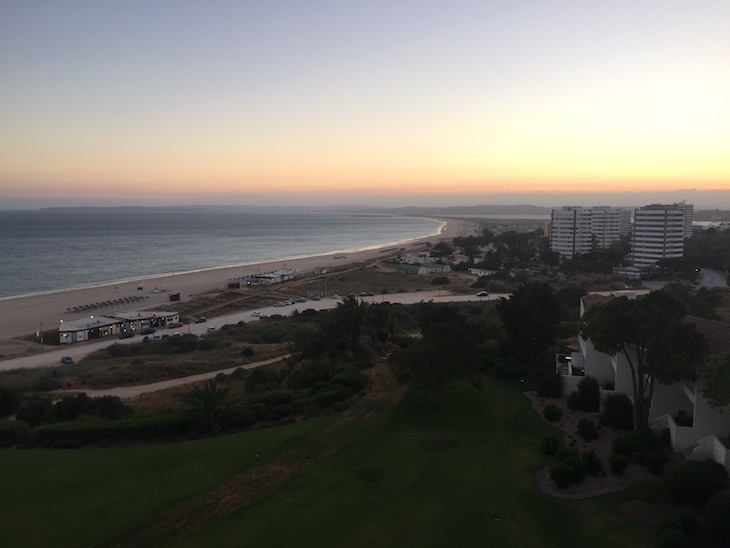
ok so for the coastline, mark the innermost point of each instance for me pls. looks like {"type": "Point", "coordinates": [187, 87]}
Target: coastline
{"type": "Point", "coordinates": [27, 314]}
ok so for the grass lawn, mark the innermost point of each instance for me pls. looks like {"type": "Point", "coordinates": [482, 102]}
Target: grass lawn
{"type": "Point", "coordinates": [85, 497]}
{"type": "Point", "coordinates": [460, 474]}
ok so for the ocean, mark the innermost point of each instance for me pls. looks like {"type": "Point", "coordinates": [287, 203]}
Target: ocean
{"type": "Point", "coordinates": [54, 249]}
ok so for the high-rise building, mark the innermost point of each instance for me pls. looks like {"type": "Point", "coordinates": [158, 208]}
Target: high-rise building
{"type": "Point", "coordinates": [575, 230]}
{"type": "Point", "coordinates": [659, 233]}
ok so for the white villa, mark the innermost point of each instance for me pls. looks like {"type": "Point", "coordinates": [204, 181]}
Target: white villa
{"type": "Point", "coordinates": [695, 428]}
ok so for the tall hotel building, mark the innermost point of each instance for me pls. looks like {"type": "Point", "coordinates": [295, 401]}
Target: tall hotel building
{"type": "Point", "coordinates": [659, 232]}
{"type": "Point", "coordinates": [574, 230]}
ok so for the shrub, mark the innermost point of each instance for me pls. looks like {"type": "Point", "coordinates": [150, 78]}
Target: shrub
{"type": "Point", "coordinates": [715, 518]}
{"type": "Point", "coordinates": [550, 445]}
{"type": "Point", "coordinates": [625, 444]}
{"type": "Point", "coordinates": [594, 464]}
{"type": "Point", "coordinates": [239, 373]}
{"type": "Point", "coordinates": [565, 453]}
{"type": "Point", "coordinates": [221, 377]}
{"type": "Point", "coordinates": [9, 401]}
{"type": "Point", "coordinates": [695, 483]}
{"type": "Point", "coordinates": [550, 385]}
{"type": "Point", "coordinates": [618, 412]}
{"type": "Point", "coordinates": [441, 280]}
{"type": "Point", "coordinates": [247, 352]}
{"type": "Point", "coordinates": [350, 378]}
{"type": "Point", "coordinates": [34, 411]}
{"type": "Point", "coordinates": [13, 431]}
{"type": "Point", "coordinates": [277, 397]}
{"type": "Point", "coordinates": [573, 401]}
{"type": "Point", "coordinates": [589, 395]}
{"type": "Point", "coordinates": [552, 413]}
{"type": "Point", "coordinates": [562, 474]}
{"type": "Point", "coordinates": [618, 463]}
{"type": "Point", "coordinates": [656, 460]}
{"type": "Point", "coordinates": [579, 466]}
{"type": "Point", "coordinates": [587, 429]}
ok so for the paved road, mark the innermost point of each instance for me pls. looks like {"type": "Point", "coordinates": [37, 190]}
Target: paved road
{"type": "Point", "coordinates": [52, 357]}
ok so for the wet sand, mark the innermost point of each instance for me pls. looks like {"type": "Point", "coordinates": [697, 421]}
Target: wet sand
{"type": "Point", "coordinates": [21, 316]}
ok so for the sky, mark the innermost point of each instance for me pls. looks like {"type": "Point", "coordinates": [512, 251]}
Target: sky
{"type": "Point", "coordinates": [373, 102]}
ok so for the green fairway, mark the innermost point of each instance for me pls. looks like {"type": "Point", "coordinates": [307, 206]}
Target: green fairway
{"type": "Point", "coordinates": [460, 474]}
{"type": "Point", "coordinates": [83, 497]}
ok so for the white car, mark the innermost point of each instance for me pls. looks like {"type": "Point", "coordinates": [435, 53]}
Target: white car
{"type": "Point", "coordinates": [483, 294]}
{"type": "Point", "coordinates": [256, 314]}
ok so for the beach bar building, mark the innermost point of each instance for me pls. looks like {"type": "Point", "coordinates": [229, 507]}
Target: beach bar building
{"type": "Point", "coordinates": [150, 319]}
{"type": "Point", "coordinates": [87, 329]}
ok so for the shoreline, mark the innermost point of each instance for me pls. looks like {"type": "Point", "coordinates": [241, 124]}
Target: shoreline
{"type": "Point", "coordinates": [26, 314]}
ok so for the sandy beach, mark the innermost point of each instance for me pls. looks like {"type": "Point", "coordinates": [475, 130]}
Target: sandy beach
{"type": "Point", "coordinates": [21, 316]}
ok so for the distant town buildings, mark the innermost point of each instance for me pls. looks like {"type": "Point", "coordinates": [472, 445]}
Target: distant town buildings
{"type": "Point", "coordinates": [658, 230]}
{"type": "Point", "coordinates": [659, 233]}
{"type": "Point", "coordinates": [576, 230]}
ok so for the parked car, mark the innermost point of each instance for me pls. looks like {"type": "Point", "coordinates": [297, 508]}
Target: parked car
{"type": "Point", "coordinates": [67, 360]}
{"type": "Point", "coordinates": [147, 331]}
{"type": "Point", "coordinates": [202, 319]}
{"type": "Point", "coordinates": [256, 314]}
{"type": "Point", "coordinates": [146, 339]}
{"type": "Point", "coordinates": [127, 335]}
{"type": "Point", "coordinates": [175, 325]}
{"type": "Point", "coordinates": [211, 329]}
{"type": "Point", "coordinates": [483, 294]}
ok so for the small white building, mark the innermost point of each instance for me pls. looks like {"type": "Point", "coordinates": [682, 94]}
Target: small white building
{"type": "Point", "coordinates": [99, 327]}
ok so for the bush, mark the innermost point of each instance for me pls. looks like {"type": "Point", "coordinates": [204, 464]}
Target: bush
{"type": "Point", "coordinates": [562, 474]}
{"type": "Point", "coordinates": [589, 395]}
{"type": "Point", "coordinates": [618, 463]}
{"type": "Point", "coordinates": [594, 464]}
{"type": "Point", "coordinates": [550, 385]}
{"type": "Point", "coordinates": [350, 378]}
{"type": "Point", "coordinates": [656, 460]}
{"type": "Point", "coordinates": [625, 445]}
{"type": "Point", "coordinates": [587, 430]}
{"type": "Point", "coordinates": [13, 431]}
{"type": "Point", "coordinates": [689, 522]}
{"type": "Point", "coordinates": [573, 401]}
{"type": "Point", "coordinates": [550, 445]}
{"type": "Point", "coordinates": [239, 373]}
{"type": "Point", "coordinates": [441, 280]}
{"type": "Point", "coordinates": [33, 412]}
{"type": "Point", "coordinates": [715, 518]}
{"type": "Point", "coordinates": [552, 413]}
{"type": "Point", "coordinates": [695, 483]}
{"type": "Point", "coordinates": [618, 412]}
{"type": "Point", "coordinates": [565, 453]}
{"type": "Point", "coordinates": [247, 352]}
{"type": "Point", "coordinates": [277, 397]}
{"type": "Point", "coordinates": [9, 401]}
{"type": "Point", "coordinates": [579, 466]}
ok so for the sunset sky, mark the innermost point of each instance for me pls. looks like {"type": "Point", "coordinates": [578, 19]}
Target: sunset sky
{"type": "Point", "coordinates": [361, 102]}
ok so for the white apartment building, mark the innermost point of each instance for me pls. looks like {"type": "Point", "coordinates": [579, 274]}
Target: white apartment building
{"type": "Point", "coordinates": [659, 232]}
{"type": "Point", "coordinates": [574, 230]}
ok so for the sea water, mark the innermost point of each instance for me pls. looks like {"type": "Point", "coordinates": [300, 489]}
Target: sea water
{"type": "Point", "coordinates": [53, 249]}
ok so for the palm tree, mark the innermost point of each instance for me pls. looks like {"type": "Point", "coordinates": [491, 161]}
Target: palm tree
{"type": "Point", "coordinates": [352, 316]}
{"type": "Point", "coordinates": [207, 399]}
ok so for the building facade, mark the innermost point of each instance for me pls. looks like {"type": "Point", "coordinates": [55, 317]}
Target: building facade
{"type": "Point", "coordinates": [576, 230]}
{"type": "Point", "coordinates": [659, 233]}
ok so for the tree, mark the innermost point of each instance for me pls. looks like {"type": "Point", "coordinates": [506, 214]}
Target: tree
{"type": "Point", "coordinates": [717, 380]}
{"type": "Point", "coordinates": [651, 334]}
{"type": "Point", "coordinates": [531, 318]}
{"type": "Point", "coordinates": [444, 353]}
{"type": "Point", "coordinates": [351, 315]}
{"type": "Point", "coordinates": [207, 400]}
